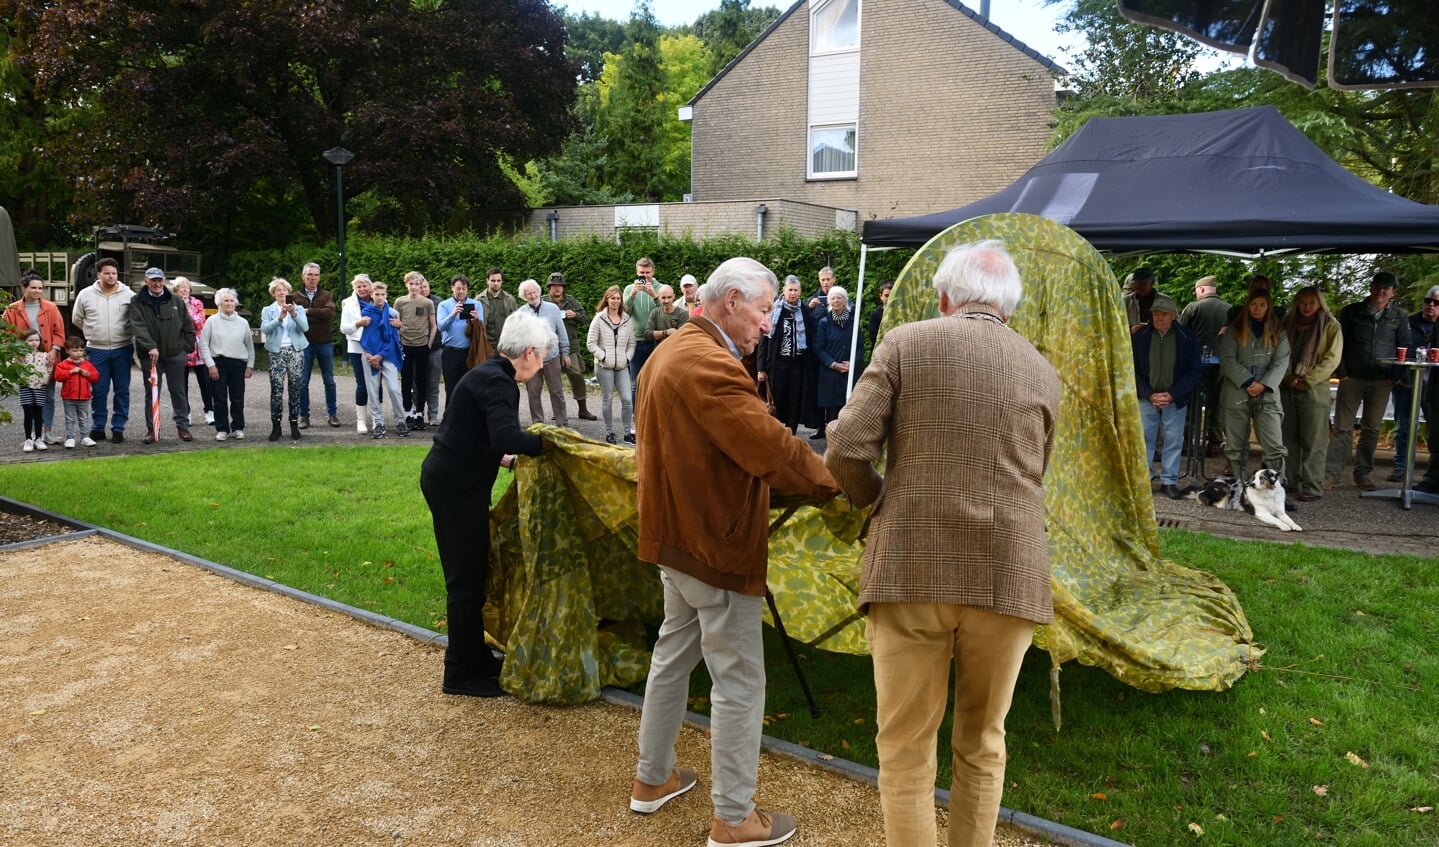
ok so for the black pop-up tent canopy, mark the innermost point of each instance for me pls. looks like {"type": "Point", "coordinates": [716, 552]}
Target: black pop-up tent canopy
{"type": "Point", "coordinates": [1243, 182]}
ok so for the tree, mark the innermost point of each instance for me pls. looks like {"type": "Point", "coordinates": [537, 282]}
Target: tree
{"type": "Point", "coordinates": [590, 38]}
{"type": "Point", "coordinates": [1124, 59]}
{"type": "Point", "coordinates": [29, 180]}
{"type": "Point", "coordinates": [728, 30]}
{"type": "Point", "coordinates": [197, 110]}
{"type": "Point", "coordinates": [631, 115]}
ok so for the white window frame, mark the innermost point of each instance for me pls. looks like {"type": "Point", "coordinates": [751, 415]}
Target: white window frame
{"type": "Point", "coordinates": [811, 173]}
{"type": "Point", "coordinates": [817, 9]}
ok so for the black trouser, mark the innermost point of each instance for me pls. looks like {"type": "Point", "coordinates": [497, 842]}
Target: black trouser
{"type": "Point", "coordinates": [452, 365]}
{"type": "Point", "coordinates": [415, 378]}
{"type": "Point", "coordinates": [465, 559]}
{"type": "Point", "coordinates": [229, 395]}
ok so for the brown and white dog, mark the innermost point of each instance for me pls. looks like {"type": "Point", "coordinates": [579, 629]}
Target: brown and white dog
{"type": "Point", "coordinates": [1262, 497]}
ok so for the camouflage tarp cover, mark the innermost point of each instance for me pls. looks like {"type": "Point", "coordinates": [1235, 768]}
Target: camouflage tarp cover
{"type": "Point", "coordinates": [572, 604]}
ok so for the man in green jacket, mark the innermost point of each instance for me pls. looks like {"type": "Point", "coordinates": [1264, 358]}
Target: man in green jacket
{"type": "Point", "coordinates": [164, 336]}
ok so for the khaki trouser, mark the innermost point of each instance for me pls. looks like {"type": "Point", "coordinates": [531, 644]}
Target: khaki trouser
{"type": "Point", "coordinates": [1306, 437]}
{"type": "Point", "coordinates": [912, 645]}
{"type": "Point", "coordinates": [1267, 416]}
{"type": "Point", "coordinates": [1373, 395]}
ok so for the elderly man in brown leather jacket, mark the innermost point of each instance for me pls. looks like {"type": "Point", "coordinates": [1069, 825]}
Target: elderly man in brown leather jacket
{"type": "Point", "coordinates": [956, 567]}
{"type": "Point", "coordinates": [704, 516]}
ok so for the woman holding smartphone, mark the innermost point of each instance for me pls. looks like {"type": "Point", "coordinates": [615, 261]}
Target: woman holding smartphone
{"type": "Point", "coordinates": [284, 324]}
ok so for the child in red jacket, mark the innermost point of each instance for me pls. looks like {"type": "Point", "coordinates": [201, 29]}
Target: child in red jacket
{"type": "Point", "coordinates": [75, 375]}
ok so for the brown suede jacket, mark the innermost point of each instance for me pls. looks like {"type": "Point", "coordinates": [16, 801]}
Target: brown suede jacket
{"type": "Point", "coordinates": [707, 456]}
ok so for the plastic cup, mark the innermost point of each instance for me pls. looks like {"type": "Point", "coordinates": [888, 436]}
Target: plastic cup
{"type": "Point", "coordinates": [1434, 354]}
{"type": "Point", "coordinates": [1402, 354]}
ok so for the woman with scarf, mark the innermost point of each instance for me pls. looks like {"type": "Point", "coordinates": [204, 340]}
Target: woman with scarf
{"type": "Point", "coordinates": [834, 340]}
{"type": "Point", "coordinates": [785, 360]}
{"type": "Point", "coordinates": [1315, 346]}
{"type": "Point", "coordinates": [1253, 356]}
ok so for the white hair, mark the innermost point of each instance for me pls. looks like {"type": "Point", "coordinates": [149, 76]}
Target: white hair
{"type": "Point", "coordinates": [981, 272]}
{"type": "Point", "coordinates": [179, 281]}
{"type": "Point", "coordinates": [528, 284]}
{"type": "Point", "coordinates": [523, 330]}
{"type": "Point", "coordinates": [836, 288]}
{"type": "Point", "coordinates": [359, 278]}
{"type": "Point", "coordinates": [227, 291]}
{"type": "Point", "coordinates": [791, 280]}
{"type": "Point", "coordinates": [751, 279]}
{"type": "Point", "coordinates": [1433, 294]}
{"type": "Point", "coordinates": [309, 266]}
{"type": "Point", "coordinates": [279, 282]}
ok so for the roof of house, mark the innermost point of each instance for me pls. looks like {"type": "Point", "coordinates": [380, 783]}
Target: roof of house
{"type": "Point", "coordinates": [1047, 62]}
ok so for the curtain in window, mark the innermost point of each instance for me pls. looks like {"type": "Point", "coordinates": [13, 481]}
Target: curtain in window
{"type": "Point", "coordinates": [835, 26]}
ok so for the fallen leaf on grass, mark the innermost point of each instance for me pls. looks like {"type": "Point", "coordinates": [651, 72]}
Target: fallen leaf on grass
{"type": "Point", "coordinates": [1356, 760]}
{"type": "Point", "coordinates": [1117, 823]}
{"type": "Point", "coordinates": [1196, 829]}
{"type": "Point", "coordinates": [1251, 754]}
{"type": "Point", "coordinates": [1278, 819]}
{"type": "Point", "coordinates": [1316, 722]}
{"type": "Point", "coordinates": [1265, 735]}
{"type": "Point", "coordinates": [1099, 795]}
{"type": "Point", "coordinates": [1423, 810]}
{"type": "Point", "coordinates": [1321, 790]}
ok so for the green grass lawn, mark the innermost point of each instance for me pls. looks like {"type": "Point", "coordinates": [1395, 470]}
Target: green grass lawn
{"type": "Point", "coordinates": [1333, 740]}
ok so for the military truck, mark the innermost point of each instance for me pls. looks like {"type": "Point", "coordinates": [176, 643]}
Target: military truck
{"type": "Point", "coordinates": [136, 249]}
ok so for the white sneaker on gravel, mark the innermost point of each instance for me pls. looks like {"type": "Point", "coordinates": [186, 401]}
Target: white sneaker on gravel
{"type": "Point", "coordinates": [41, 445]}
{"type": "Point", "coordinates": [239, 434]}
{"type": "Point", "coordinates": [28, 446]}
{"type": "Point", "coordinates": [221, 436]}
{"type": "Point", "coordinates": [51, 438]}
{"type": "Point", "coordinates": [69, 444]}
{"type": "Point", "coordinates": [87, 441]}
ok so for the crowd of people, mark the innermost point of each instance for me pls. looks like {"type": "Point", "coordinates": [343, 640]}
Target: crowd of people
{"type": "Point", "coordinates": [1268, 370]}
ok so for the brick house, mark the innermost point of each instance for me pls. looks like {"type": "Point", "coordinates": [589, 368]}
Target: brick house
{"type": "Point", "coordinates": [887, 107]}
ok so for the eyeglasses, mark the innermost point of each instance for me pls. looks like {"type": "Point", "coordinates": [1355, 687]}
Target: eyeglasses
{"type": "Point", "coordinates": [1430, 301]}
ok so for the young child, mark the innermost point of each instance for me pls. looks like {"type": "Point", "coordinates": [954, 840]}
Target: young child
{"type": "Point", "coordinates": [32, 392]}
{"type": "Point", "coordinates": [380, 343]}
{"type": "Point", "coordinates": [75, 375]}
{"type": "Point", "coordinates": [417, 333]}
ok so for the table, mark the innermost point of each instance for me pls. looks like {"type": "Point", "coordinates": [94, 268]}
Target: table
{"type": "Point", "coordinates": [1197, 420]}
{"type": "Point", "coordinates": [1405, 493]}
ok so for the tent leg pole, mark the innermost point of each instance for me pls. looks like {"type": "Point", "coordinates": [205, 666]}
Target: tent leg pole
{"type": "Point", "coordinates": [858, 304]}
{"type": "Point", "coordinates": [789, 648]}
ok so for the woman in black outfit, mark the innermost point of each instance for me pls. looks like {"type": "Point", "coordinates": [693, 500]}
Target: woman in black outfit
{"type": "Point", "coordinates": [479, 434]}
{"type": "Point", "coordinates": [786, 360]}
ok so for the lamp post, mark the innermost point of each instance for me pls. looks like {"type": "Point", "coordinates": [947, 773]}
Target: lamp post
{"type": "Point", "coordinates": [339, 157]}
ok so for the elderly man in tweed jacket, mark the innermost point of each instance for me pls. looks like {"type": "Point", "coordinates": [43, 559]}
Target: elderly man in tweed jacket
{"type": "Point", "coordinates": [956, 566]}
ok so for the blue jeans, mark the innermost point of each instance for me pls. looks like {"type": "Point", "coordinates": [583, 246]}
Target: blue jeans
{"type": "Point", "coordinates": [325, 355]}
{"type": "Point", "coordinates": [114, 368]}
{"type": "Point", "coordinates": [1402, 396]}
{"type": "Point", "coordinates": [357, 364]}
{"type": "Point", "coordinates": [1171, 420]}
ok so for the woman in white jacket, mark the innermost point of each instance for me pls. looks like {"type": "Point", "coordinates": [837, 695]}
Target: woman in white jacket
{"type": "Point", "coordinates": [612, 343]}
{"type": "Point", "coordinates": [349, 314]}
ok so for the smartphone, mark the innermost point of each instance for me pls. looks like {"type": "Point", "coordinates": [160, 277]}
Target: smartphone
{"type": "Point", "coordinates": [284, 299]}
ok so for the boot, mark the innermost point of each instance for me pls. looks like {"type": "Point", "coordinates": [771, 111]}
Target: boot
{"type": "Point", "coordinates": [294, 431]}
{"type": "Point", "coordinates": [360, 412]}
{"type": "Point", "coordinates": [585, 411]}
{"type": "Point", "coordinates": [275, 431]}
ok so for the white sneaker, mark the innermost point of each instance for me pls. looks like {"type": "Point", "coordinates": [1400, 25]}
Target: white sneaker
{"type": "Point", "coordinates": [87, 441]}
{"type": "Point", "coordinates": [239, 434]}
{"type": "Point", "coordinates": [41, 445]}
{"type": "Point", "coordinates": [29, 446]}
{"type": "Point", "coordinates": [51, 437]}
{"type": "Point", "coordinates": [69, 444]}
{"type": "Point", "coordinates": [221, 436]}
{"type": "Point", "coordinates": [209, 417]}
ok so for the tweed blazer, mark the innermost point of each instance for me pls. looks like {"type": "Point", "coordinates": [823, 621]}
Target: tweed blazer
{"type": "Point", "coordinates": [967, 409]}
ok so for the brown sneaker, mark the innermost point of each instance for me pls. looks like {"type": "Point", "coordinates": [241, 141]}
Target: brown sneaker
{"type": "Point", "coordinates": [648, 799]}
{"type": "Point", "coordinates": [760, 829]}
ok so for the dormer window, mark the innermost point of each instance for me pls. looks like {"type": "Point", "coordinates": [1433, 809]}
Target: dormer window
{"type": "Point", "coordinates": [834, 26]}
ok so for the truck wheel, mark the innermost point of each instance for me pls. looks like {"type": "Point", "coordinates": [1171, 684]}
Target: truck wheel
{"type": "Point", "coordinates": [82, 273]}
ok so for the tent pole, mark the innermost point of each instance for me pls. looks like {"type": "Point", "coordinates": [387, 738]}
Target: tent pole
{"type": "Point", "coordinates": [858, 301]}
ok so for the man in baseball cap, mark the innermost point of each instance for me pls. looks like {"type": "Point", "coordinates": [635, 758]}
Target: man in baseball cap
{"type": "Point", "coordinates": [1167, 368]}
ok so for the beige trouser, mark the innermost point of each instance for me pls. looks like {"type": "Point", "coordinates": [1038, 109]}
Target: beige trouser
{"type": "Point", "coordinates": [912, 645]}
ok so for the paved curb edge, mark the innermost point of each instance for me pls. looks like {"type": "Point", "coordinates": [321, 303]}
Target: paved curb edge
{"type": "Point", "coordinates": [1055, 832]}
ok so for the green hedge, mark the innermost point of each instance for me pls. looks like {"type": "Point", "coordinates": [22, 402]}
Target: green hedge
{"type": "Point", "coordinates": [590, 265]}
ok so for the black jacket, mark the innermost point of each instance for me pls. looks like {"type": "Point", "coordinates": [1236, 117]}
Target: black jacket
{"type": "Point", "coordinates": [1369, 337]}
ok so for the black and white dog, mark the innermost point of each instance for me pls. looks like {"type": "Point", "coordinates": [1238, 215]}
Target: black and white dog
{"type": "Point", "coordinates": [1262, 497]}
